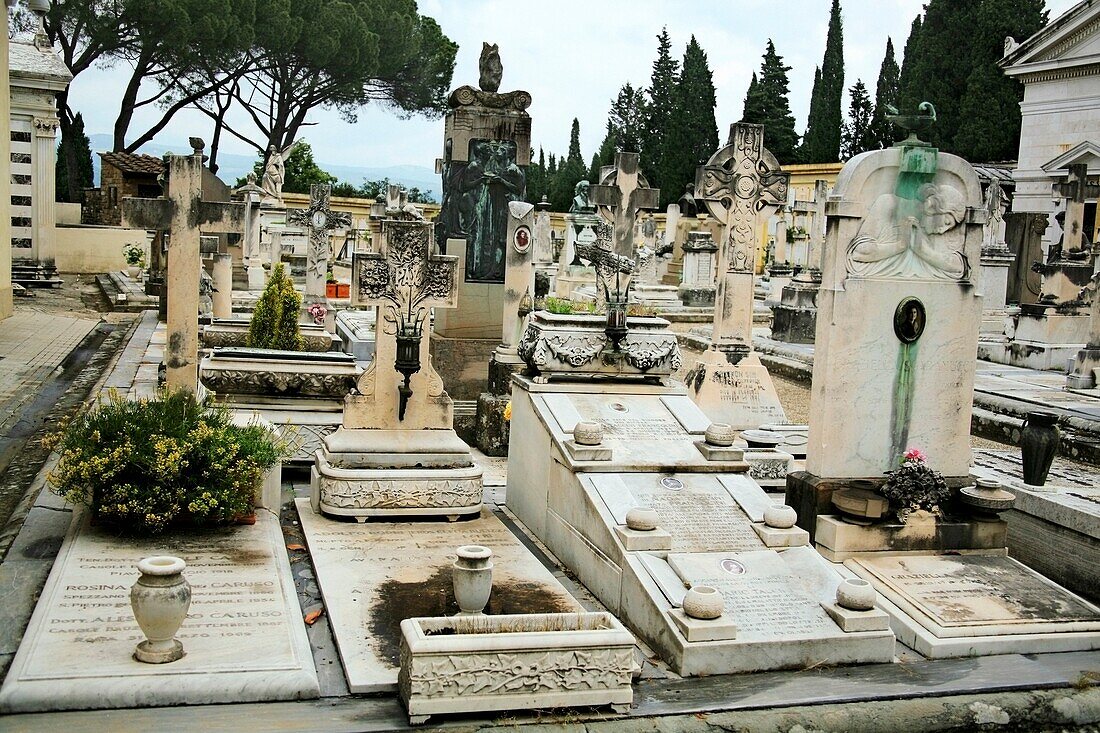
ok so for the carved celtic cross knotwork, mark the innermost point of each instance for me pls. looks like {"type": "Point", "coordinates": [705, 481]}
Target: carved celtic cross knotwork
{"type": "Point", "coordinates": [740, 184]}
{"type": "Point", "coordinates": [403, 277]}
{"type": "Point", "coordinates": [620, 200]}
{"type": "Point", "coordinates": [320, 221]}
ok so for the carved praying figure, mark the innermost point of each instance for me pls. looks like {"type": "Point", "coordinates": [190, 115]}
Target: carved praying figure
{"type": "Point", "coordinates": [912, 238]}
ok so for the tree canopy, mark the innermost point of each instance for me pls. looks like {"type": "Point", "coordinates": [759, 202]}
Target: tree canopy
{"type": "Point", "coordinates": [693, 134]}
{"type": "Point", "coordinates": [856, 136]}
{"type": "Point", "coordinates": [886, 94]}
{"type": "Point", "coordinates": [767, 104]}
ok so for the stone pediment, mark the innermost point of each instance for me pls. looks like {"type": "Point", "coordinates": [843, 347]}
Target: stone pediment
{"type": "Point", "coordinates": [1069, 41]}
{"type": "Point", "coordinates": [1087, 152]}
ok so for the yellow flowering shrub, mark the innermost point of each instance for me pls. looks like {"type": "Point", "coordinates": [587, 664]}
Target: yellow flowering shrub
{"type": "Point", "coordinates": [144, 466]}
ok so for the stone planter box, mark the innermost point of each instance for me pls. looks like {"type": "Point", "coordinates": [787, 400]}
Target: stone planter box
{"type": "Point", "coordinates": [277, 373]}
{"type": "Point", "coordinates": [514, 662]}
{"type": "Point", "coordinates": [231, 332]}
{"type": "Point", "coordinates": [337, 290]}
{"type": "Point", "coordinates": [576, 345]}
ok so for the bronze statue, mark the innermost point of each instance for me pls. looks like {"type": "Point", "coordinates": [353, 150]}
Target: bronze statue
{"type": "Point", "coordinates": [580, 204]}
{"type": "Point", "coordinates": [687, 204]}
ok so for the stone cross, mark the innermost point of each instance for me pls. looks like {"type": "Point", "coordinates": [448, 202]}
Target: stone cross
{"type": "Point", "coordinates": [625, 197]}
{"type": "Point", "coordinates": [404, 280]}
{"type": "Point", "coordinates": [1078, 188]}
{"type": "Point", "coordinates": [815, 251]}
{"type": "Point", "coordinates": [184, 214]}
{"type": "Point", "coordinates": [741, 186]}
{"type": "Point", "coordinates": [320, 221]}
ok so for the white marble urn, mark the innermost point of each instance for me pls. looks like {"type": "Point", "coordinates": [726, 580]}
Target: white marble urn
{"type": "Point", "coordinates": [588, 433]}
{"type": "Point", "coordinates": [855, 594]}
{"type": "Point", "coordinates": [780, 516]}
{"type": "Point", "coordinates": [160, 599]}
{"type": "Point", "coordinates": [703, 602]}
{"type": "Point", "coordinates": [720, 434]}
{"type": "Point", "coordinates": [472, 577]}
{"type": "Point", "coordinates": [642, 519]}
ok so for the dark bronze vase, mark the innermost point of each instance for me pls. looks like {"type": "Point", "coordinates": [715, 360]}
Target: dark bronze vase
{"type": "Point", "coordinates": [1039, 444]}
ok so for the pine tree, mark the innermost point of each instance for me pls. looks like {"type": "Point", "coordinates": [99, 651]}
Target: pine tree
{"type": "Point", "coordinates": [772, 88]}
{"type": "Point", "coordinates": [660, 110]}
{"type": "Point", "coordinates": [822, 143]}
{"type": "Point", "coordinates": [64, 189]}
{"type": "Point", "coordinates": [857, 137]}
{"type": "Point", "coordinates": [693, 134]}
{"type": "Point", "coordinates": [886, 93]}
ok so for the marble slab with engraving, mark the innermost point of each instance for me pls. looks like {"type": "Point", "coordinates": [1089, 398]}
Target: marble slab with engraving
{"type": "Point", "coordinates": [967, 604]}
{"type": "Point", "coordinates": [643, 431]}
{"type": "Point", "coordinates": [374, 575]}
{"type": "Point", "coordinates": [244, 638]}
{"type": "Point", "coordinates": [697, 509]}
{"type": "Point", "coordinates": [763, 596]}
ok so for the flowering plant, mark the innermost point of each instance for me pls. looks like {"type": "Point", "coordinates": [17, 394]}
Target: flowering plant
{"type": "Point", "coordinates": [915, 486]}
{"type": "Point", "coordinates": [508, 411]}
{"type": "Point", "coordinates": [318, 311]}
{"type": "Point", "coordinates": [146, 465]}
{"type": "Point", "coordinates": [134, 255]}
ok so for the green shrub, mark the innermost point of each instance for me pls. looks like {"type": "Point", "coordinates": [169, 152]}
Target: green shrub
{"type": "Point", "coordinates": [143, 466]}
{"type": "Point", "coordinates": [560, 306]}
{"type": "Point", "coordinates": [274, 322]}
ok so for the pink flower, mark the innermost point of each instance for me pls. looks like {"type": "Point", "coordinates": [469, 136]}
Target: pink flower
{"type": "Point", "coordinates": [915, 454]}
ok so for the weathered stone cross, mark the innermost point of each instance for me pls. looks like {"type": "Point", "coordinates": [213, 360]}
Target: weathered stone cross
{"type": "Point", "coordinates": [320, 221]}
{"type": "Point", "coordinates": [625, 197]}
{"type": "Point", "coordinates": [741, 186]}
{"type": "Point", "coordinates": [405, 281]}
{"type": "Point", "coordinates": [1076, 190]}
{"type": "Point", "coordinates": [185, 215]}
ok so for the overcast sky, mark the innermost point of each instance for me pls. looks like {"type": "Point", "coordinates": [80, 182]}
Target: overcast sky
{"type": "Point", "coordinates": [573, 56]}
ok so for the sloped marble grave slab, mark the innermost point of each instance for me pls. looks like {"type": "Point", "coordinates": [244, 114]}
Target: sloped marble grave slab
{"type": "Point", "coordinates": [243, 637]}
{"type": "Point", "coordinates": [376, 574]}
{"type": "Point", "coordinates": [710, 532]}
{"type": "Point", "coordinates": [962, 605]}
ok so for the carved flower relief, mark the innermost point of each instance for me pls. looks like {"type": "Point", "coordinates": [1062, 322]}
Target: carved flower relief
{"type": "Point", "coordinates": [509, 673]}
{"type": "Point", "coordinates": [644, 353]}
{"type": "Point", "coordinates": [244, 381]}
{"type": "Point", "coordinates": [400, 494]}
{"type": "Point", "coordinates": [768, 469]}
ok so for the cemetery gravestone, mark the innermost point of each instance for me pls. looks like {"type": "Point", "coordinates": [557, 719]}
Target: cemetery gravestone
{"type": "Point", "coordinates": [740, 184]}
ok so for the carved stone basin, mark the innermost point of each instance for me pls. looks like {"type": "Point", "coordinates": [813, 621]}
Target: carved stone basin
{"type": "Point", "coordinates": [556, 345]}
{"type": "Point", "coordinates": [279, 373]}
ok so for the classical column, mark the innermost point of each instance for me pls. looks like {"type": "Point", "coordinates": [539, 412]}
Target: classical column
{"type": "Point", "coordinates": [44, 197]}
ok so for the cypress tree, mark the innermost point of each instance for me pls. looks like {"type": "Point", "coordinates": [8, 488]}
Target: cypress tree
{"type": "Point", "coordinates": [815, 105]}
{"type": "Point", "coordinates": [627, 119]}
{"type": "Point", "coordinates": [660, 111]}
{"type": "Point", "coordinates": [693, 134]}
{"type": "Point", "coordinates": [72, 190]}
{"type": "Point", "coordinates": [772, 88]}
{"type": "Point", "coordinates": [857, 136]}
{"type": "Point", "coordinates": [989, 124]}
{"type": "Point", "coordinates": [822, 143]}
{"type": "Point", "coordinates": [605, 155]}
{"type": "Point", "coordinates": [572, 170]}
{"type": "Point", "coordinates": [906, 85]}
{"type": "Point", "coordinates": [754, 111]}
{"type": "Point", "coordinates": [886, 93]}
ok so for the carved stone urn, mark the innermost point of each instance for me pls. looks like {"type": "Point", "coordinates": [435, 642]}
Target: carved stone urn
{"type": "Point", "coordinates": [720, 434]}
{"type": "Point", "coordinates": [703, 602]}
{"type": "Point", "coordinates": [642, 519]}
{"type": "Point", "coordinates": [588, 433]}
{"type": "Point", "coordinates": [780, 516]}
{"type": "Point", "coordinates": [855, 594]}
{"type": "Point", "coordinates": [472, 577]}
{"type": "Point", "coordinates": [160, 599]}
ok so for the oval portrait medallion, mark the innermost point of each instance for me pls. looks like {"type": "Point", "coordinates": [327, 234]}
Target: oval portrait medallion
{"type": "Point", "coordinates": [909, 320]}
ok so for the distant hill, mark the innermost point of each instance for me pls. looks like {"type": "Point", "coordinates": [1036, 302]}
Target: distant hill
{"type": "Point", "coordinates": [231, 167]}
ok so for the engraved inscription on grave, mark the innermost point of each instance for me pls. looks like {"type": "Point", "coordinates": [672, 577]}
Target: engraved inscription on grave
{"type": "Point", "coordinates": [970, 591]}
{"type": "Point", "coordinates": [762, 597]}
{"type": "Point", "coordinates": [737, 387]}
{"type": "Point", "coordinates": [701, 516]}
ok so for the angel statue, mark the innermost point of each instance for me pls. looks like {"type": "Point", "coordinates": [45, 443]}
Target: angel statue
{"type": "Point", "coordinates": [275, 172]}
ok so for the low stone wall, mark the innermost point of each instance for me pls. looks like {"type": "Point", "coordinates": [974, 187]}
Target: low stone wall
{"type": "Point", "coordinates": [93, 249]}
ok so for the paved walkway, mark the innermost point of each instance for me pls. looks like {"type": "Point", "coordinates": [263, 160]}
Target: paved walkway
{"type": "Point", "coordinates": [33, 344]}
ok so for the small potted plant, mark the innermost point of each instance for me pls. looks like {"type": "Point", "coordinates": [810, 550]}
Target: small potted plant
{"type": "Point", "coordinates": [146, 466]}
{"type": "Point", "coordinates": [915, 486]}
{"type": "Point", "coordinates": [135, 259]}
{"type": "Point", "coordinates": [331, 286]}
